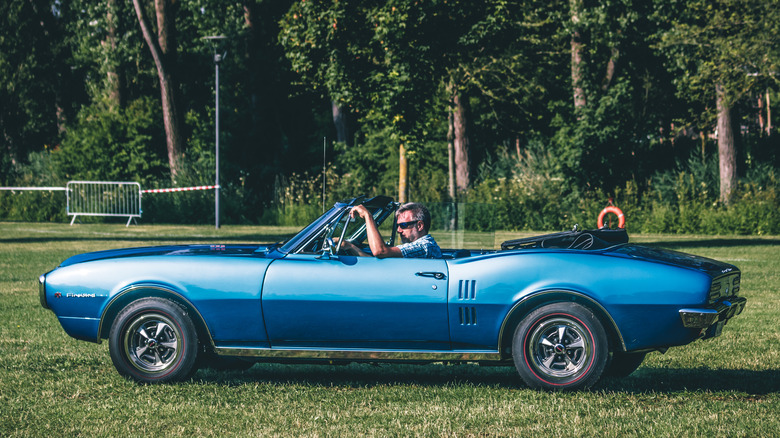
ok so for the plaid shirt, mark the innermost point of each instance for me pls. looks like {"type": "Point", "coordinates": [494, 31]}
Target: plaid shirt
{"type": "Point", "coordinates": [424, 247]}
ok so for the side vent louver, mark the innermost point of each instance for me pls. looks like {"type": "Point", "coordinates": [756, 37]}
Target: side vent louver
{"type": "Point", "coordinates": [468, 315]}
{"type": "Point", "coordinates": [467, 289]}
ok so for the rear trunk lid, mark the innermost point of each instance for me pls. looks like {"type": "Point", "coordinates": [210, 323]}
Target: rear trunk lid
{"type": "Point", "coordinates": [711, 267]}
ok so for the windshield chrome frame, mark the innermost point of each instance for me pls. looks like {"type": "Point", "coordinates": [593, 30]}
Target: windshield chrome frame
{"type": "Point", "coordinates": [302, 237]}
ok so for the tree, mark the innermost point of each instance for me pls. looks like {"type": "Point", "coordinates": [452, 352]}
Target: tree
{"type": "Point", "coordinates": [34, 79]}
{"type": "Point", "coordinates": [389, 61]}
{"type": "Point", "coordinates": [720, 50]}
{"type": "Point", "coordinates": [359, 55]}
{"type": "Point", "coordinates": [163, 51]}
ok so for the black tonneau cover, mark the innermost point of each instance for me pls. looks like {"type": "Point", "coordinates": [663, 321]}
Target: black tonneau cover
{"type": "Point", "coordinates": [583, 240]}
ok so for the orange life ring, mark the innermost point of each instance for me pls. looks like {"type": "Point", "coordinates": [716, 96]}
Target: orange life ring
{"type": "Point", "coordinates": [614, 210]}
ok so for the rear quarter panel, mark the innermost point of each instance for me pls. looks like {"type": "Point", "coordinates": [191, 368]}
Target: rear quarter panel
{"type": "Point", "coordinates": [641, 297]}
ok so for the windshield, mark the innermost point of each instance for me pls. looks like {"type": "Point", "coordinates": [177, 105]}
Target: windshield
{"type": "Point", "coordinates": [333, 222]}
{"type": "Point", "coordinates": [356, 228]}
{"type": "Point", "coordinates": [453, 226]}
{"type": "Point", "coordinates": [320, 222]}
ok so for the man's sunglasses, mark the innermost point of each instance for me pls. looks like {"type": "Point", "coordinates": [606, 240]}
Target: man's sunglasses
{"type": "Point", "coordinates": [405, 225]}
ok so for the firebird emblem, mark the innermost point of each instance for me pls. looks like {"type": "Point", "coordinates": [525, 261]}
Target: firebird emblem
{"type": "Point", "coordinates": [57, 295]}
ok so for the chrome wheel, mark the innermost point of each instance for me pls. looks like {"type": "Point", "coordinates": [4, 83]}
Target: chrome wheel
{"type": "Point", "coordinates": [153, 340]}
{"type": "Point", "coordinates": [152, 343]}
{"type": "Point", "coordinates": [559, 347]}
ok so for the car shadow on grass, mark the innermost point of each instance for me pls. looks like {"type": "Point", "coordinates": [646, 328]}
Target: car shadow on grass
{"type": "Point", "coordinates": [366, 375]}
{"type": "Point", "coordinates": [645, 379]}
{"type": "Point", "coordinates": [650, 379]}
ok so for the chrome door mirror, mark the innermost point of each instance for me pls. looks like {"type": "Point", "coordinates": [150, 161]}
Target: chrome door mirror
{"type": "Point", "coordinates": [327, 249]}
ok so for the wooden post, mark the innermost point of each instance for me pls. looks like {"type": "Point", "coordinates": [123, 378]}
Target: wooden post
{"type": "Point", "coordinates": [403, 175]}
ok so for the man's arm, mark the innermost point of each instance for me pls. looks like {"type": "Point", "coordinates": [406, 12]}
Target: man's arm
{"type": "Point", "coordinates": [351, 248]}
{"type": "Point", "coordinates": [375, 242]}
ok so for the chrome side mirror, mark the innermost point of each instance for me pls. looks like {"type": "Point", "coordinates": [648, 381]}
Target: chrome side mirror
{"type": "Point", "coordinates": [327, 249]}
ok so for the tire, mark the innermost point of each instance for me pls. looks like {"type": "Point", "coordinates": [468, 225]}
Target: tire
{"type": "Point", "coordinates": [560, 346]}
{"type": "Point", "coordinates": [153, 340]}
{"type": "Point", "coordinates": [623, 364]}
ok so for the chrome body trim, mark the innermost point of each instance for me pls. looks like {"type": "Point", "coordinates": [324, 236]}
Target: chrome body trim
{"type": "Point", "coordinates": [558, 291]}
{"type": "Point", "coordinates": [721, 311]}
{"type": "Point", "coordinates": [42, 291]}
{"type": "Point", "coordinates": [361, 355]}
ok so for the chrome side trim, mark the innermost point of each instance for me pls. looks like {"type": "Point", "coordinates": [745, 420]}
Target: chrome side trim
{"type": "Point", "coordinates": [153, 287]}
{"type": "Point", "coordinates": [42, 291]}
{"type": "Point", "coordinates": [367, 355]}
{"type": "Point", "coordinates": [559, 291]}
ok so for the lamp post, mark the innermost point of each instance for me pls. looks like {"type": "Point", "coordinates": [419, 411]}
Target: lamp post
{"type": "Point", "coordinates": [215, 42]}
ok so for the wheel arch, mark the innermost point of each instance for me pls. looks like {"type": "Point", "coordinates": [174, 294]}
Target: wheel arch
{"type": "Point", "coordinates": [135, 292]}
{"type": "Point", "coordinates": [538, 299]}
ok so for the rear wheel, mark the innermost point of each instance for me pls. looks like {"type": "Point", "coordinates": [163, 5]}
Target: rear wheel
{"type": "Point", "coordinates": [560, 346]}
{"type": "Point", "coordinates": [153, 340]}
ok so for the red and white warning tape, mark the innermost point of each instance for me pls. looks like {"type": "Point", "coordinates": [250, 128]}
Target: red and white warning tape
{"type": "Point", "coordinates": [179, 189]}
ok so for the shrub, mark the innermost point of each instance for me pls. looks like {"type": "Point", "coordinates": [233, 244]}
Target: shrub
{"type": "Point", "coordinates": [108, 144]}
{"type": "Point", "coordinates": [35, 206]}
{"type": "Point", "coordinates": [298, 200]}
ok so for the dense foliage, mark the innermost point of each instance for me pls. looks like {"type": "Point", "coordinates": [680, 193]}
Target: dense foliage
{"type": "Point", "coordinates": [541, 109]}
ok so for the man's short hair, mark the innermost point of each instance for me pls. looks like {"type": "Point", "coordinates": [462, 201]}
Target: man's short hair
{"type": "Point", "coordinates": [419, 213]}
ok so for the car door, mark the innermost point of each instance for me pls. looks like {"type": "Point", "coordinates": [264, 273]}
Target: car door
{"type": "Point", "coordinates": [352, 302]}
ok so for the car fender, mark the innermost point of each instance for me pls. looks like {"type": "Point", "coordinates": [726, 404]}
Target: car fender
{"type": "Point", "coordinates": [530, 301]}
{"type": "Point", "coordinates": [133, 292]}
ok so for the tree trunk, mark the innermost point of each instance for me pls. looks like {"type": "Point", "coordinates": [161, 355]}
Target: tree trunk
{"type": "Point", "coordinates": [403, 175]}
{"type": "Point", "coordinates": [611, 68]}
{"type": "Point", "coordinates": [340, 122]}
{"type": "Point", "coordinates": [166, 30]}
{"type": "Point", "coordinates": [768, 115]}
{"type": "Point", "coordinates": [451, 185]}
{"type": "Point", "coordinates": [461, 143]}
{"type": "Point", "coordinates": [171, 118]}
{"type": "Point", "coordinates": [577, 49]}
{"type": "Point", "coordinates": [727, 155]}
{"type": "Point", "coordinates": [114, 74]}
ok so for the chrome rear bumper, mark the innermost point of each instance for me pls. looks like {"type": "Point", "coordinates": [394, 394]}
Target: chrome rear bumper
{"type": "Point", "coordinates": [719, 312]}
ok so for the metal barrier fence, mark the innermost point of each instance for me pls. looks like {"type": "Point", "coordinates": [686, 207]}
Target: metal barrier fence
{"type": "Point", "coordinates": [103, 198]}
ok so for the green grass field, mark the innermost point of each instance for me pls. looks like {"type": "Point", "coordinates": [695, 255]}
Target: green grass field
{"type": "Point", "coordinates": [52, 385]}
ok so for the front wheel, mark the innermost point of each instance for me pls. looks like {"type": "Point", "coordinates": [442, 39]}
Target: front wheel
{"type": "Point", "coordinates": [560, 346]}
{"type": "Point", "coordinates": [153, 340]}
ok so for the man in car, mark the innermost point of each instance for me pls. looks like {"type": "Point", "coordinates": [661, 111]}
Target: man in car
{"type": "Point", "coordinates": [413, 219]}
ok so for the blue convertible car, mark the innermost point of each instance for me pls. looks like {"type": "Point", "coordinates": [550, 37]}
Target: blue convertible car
{"type": "Point", "coordinates": [565, 309]}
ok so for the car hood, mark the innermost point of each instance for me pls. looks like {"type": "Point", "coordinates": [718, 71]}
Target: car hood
{"type": "Point", "coordinates": [180, 250]}
{"type": "Point", "coordinates": [712, 267]}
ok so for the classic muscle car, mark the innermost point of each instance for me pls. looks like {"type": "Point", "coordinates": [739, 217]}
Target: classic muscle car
{"type": "Point", "coordinates": [565, 309]}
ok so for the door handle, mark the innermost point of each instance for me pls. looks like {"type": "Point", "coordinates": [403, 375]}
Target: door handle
{"type": "Point", "coordinates": [436, 275]}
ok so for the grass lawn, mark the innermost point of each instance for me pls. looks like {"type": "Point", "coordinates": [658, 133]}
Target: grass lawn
{"type": "Point", "coordinates": [53, 385]}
